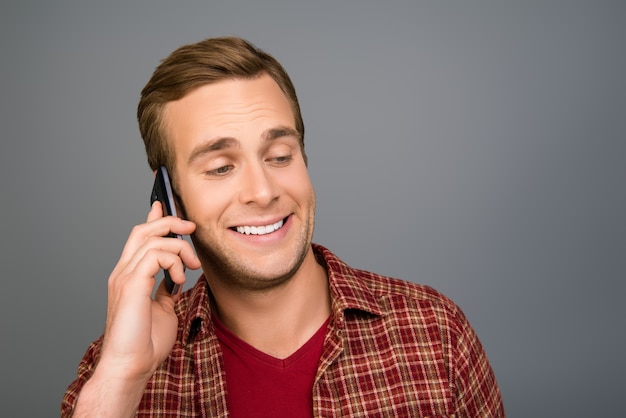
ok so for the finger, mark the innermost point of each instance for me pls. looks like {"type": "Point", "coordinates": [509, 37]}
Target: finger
{"type": "Point", "coordinates": [140, 280]}
{"type": "Point", "coordinates": [177, 226]}
{"type": "Point", "coordinates": [164, 226]}
{"type": "Point", "coordinates": [162, 295]}
{"type": "Point", "coordinates": [175, 246]}
{"type": "Point", "coordinates": [156, 211]}
{"type": "Point", "coordinates": [141, 235]}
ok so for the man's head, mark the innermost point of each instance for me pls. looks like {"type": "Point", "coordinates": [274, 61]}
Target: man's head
{"type": "Point", "coordinates": [195, 65]}
{"type": "Point", "coordinates": [224, 118]}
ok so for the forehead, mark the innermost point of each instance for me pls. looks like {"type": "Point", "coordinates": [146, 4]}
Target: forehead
{"type": "Point", "coordinates": [228, 104]}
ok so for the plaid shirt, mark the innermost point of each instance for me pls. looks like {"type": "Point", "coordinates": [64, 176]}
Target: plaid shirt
{"type": "Point", "coordinates": [392, 349]}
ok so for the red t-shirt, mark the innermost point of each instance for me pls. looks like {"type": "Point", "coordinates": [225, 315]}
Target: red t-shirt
{"type": "Point", "coordinates": [260, 385]}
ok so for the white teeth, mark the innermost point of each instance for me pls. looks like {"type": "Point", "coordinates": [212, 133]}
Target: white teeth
{"type": "Point", "coordinates": [259, 230]}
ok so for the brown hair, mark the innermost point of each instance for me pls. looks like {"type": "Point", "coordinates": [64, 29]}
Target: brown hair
{"type": "Point", "coordinates": [194, 65]}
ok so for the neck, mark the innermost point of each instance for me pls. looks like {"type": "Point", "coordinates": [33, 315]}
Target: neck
{"type": "Point", "coordinates": [280, 320]}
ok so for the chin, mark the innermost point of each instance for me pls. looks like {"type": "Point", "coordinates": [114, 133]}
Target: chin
{"type": "Point", "coordinates": [251, 273]}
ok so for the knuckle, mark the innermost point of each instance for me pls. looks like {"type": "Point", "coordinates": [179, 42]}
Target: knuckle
{"type": "Point", "coordinates": [136, 230]}
{"type": "Point", "coordinates": [153, 253]}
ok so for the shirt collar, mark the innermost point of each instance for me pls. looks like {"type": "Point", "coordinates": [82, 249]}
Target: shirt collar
{"type": "Point", "coordinates": [347, 289]}
{"type": "Point", "coordinates": [194, 310]}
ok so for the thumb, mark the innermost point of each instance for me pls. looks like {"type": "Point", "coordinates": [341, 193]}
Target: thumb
{"type": "Point", "coordinates": [163, 297]}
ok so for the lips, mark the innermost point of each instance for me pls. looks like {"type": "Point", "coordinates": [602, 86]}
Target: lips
{"type": "Point", "coordinates": [260, 229]}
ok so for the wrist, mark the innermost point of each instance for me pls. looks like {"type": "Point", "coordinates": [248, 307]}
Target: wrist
{"type": "Point", "coordinates": [108, 394]}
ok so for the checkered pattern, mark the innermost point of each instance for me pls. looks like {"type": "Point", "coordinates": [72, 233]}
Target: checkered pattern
{"type": "Point", "coordinates": [392, 349]}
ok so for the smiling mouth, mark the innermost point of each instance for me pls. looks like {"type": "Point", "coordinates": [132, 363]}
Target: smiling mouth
{"type": "Point", "coordinates": [261, 229]}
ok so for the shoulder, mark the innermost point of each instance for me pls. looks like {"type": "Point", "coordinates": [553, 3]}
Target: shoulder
{"type": "Point", "coordinates": [412, 304]}
{"type": "Point", "coordinates": [383, 287]}
{"type": "Point", "coordinates": [381, 295]}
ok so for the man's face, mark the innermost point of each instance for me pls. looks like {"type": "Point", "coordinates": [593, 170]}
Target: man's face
{"type": "Point", "coordinates": [241, 177]}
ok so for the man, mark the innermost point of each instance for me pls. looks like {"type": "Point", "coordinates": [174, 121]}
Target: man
{"type": "Point", "coordinates": [276, 326]}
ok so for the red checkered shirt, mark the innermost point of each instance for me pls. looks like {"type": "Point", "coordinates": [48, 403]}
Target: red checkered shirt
{"type": "Point", "coordinates": [392, 349]}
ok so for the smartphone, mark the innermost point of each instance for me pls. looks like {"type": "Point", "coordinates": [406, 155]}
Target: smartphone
{"type": "Point", "coordinates": [162, 191]}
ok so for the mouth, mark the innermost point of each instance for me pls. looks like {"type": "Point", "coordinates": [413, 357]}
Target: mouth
{"type": "Point", "coordinates": [259, 229]}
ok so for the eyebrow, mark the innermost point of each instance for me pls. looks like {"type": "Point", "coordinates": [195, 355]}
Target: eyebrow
{"type": "Point", "coordinates": [212, 145]}
{"type": "Point", "coordinates": [217, 144]}
{"type": "Point", "coordinates": [281, 132]}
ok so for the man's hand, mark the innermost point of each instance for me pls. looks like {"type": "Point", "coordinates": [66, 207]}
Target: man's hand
{"type": "Point", "coordinates": [140, 331]}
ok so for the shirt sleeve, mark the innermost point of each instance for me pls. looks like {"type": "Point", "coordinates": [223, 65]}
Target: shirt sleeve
{"type": "Point", "coordinates": [85, 370]}
{"type": "Point", "coordinates": [478, 394]}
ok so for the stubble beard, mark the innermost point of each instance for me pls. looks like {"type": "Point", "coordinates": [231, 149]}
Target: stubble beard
{"type": "Point", "coordinates": [238, 274]}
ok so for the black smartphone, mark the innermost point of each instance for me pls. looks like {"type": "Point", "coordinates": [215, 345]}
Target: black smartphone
{"type": "Point", "coordinates": [162, 191]}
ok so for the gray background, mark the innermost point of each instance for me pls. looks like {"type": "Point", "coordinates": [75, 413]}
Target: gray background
{"type": "Point", "coordinates": [477, 147]}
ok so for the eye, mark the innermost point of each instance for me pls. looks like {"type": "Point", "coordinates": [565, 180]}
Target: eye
{"type": "Point", "coordinates": [281, 160]}
{"type": "Point", "coordinates": [220, 171]}
{"type": "Point", "coordinates": [282, 151]}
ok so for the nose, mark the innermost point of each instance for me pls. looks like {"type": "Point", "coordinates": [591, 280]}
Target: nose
{"type": "Point", "coordinates": [257, 186]}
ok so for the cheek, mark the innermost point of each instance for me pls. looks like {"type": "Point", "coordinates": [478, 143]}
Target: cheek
{"type": "Point", "coordinates": [206, 205]}
{"type": "Point", "coordinates": [302, 189]}
{"type": "Point", "coordinates": [199, 203]}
